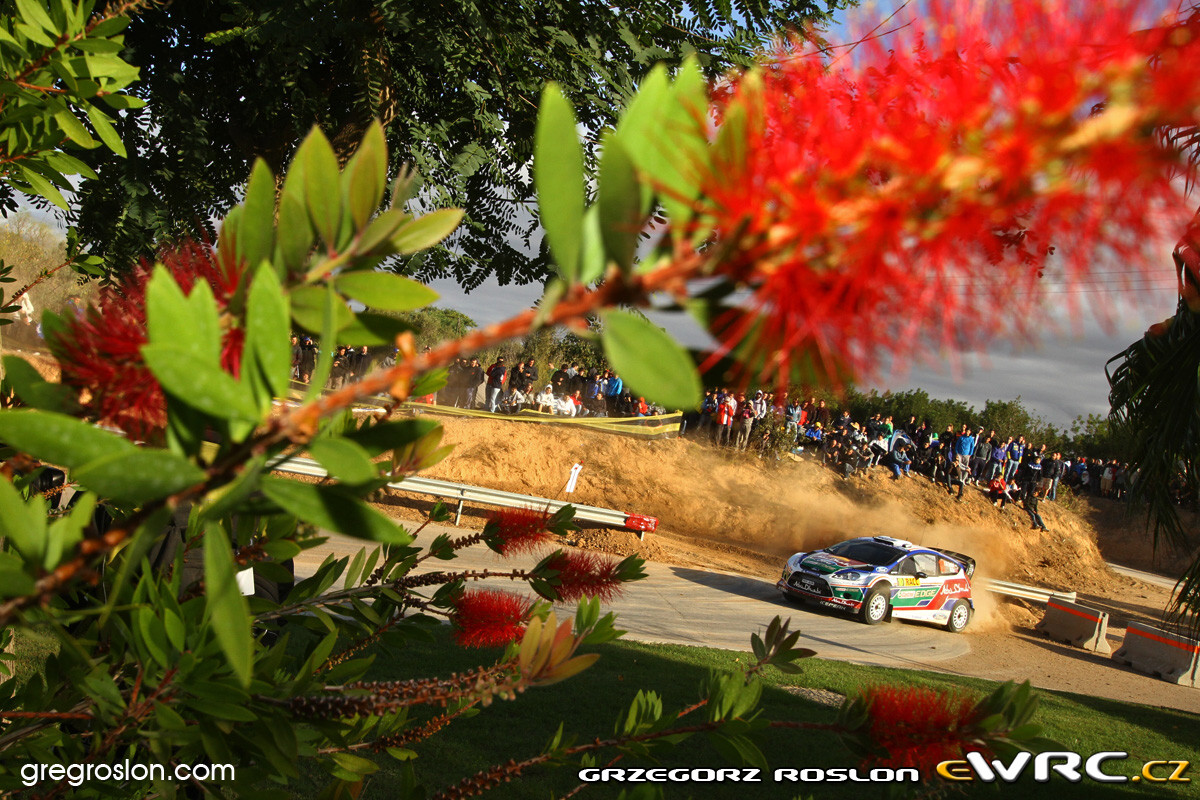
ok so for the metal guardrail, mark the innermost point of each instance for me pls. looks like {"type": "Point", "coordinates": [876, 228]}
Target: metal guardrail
{"type": "Point", "coordinates": [464, 493]}
{"type": "Point", "coordinates": [1025, 592]}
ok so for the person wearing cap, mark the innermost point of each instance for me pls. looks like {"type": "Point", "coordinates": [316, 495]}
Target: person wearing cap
{"type": "Point", "coordinates": [496, 374]}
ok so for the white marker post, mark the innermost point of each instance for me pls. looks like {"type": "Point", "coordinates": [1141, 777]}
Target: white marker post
{"type": "Point", "coordinates": [575, 470]}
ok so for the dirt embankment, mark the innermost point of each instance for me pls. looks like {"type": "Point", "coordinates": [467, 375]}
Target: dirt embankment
{"type": "Point", "coordinates": [733, 512]}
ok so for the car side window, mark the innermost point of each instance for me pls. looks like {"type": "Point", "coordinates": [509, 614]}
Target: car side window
{"type": "Point", "coordinates": [947, 567]}
{"type": "Point", "coordinates": [906, 567]}
{"type": "Point", "coordinates": [925, 562]}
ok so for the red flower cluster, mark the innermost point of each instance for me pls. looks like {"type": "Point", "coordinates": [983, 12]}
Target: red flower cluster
{"type": "Point", "coordinates": [919, 728]}
{"type": "Point", "coordinates": [911, 194]}
{"type": "Point", "coordinates": [489, 618]}
{"type": "Point", "coordinates": [517, 530]}
{"type": "Point", "coordinates": [100, 350]}
{"type": "Point", "coordinates": [582, 574]}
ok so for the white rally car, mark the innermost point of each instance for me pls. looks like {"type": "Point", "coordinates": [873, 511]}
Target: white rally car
{"type": "Point", "coordinates": [875, 576]}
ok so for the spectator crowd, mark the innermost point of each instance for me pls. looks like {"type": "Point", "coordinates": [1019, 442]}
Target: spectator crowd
{"type": "Point", "coordinates": [1008, 468]}
{"type": "Point", "coordinates": [566, 390]}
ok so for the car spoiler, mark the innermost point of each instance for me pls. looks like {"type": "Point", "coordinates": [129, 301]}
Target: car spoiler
{"type": "Point", "coordinates": [966, 561]}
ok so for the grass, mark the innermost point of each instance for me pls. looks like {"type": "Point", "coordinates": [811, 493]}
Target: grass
{"type": "Point", "coordinates": [589, 706]}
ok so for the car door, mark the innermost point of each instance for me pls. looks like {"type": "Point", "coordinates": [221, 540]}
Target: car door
{"type": "Point", "coordinates": [916, 588]}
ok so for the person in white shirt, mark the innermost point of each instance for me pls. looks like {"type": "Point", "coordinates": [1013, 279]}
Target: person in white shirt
{"type": "Point", "coordinates": [545, 400]}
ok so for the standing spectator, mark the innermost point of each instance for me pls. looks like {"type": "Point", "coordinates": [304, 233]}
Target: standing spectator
{"type": "Point", "coordinates": [308, 359]}
{"type": "Point", "coordinates": [530, 371]}
{"type": "Point", "coordinates": [823, 415]}
{"type": "Point", "coordinates": [708, 409]}
{"type": "Point", "coordinates": [1051, 472]}
{"type": "Point", "coordinates": [496, 374]}
{"type": "Point", "coordinates": [745, 422]}
{"type": "Point", "coordinates": [1031, 508]}
{"type": "Point", "coordinates": [1015, 451]}
{"type": "Point", "coordinates": [297, 356]}
{"type": "Point", "coordinates": [612, 393]}
{"type": "Point", "coordinates": [981, 456]}
{"type": "Point", "coordinates": [725, 412]}
{"type": "Point", "coordinates": [456, 382]}
{"type": "Point", "coordinates": [1107, 476]}
{"type": "Point", "coordinates": [558, 379]}
{"type": "Point", "coordinates": [473, 380]}
{"type": "Point", "coordinates": [1031, 474]}
{"type": "Point", "coordinates": [960, 468]}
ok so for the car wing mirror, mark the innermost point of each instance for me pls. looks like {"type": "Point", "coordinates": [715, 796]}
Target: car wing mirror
{"type": "Point", "coordinates": [921, 576]}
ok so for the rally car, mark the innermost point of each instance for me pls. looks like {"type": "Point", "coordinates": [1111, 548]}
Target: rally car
{"type": "Point", "coordinates": [878, 576]}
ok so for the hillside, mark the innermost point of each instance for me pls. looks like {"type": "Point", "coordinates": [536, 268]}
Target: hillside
{"type": "Point", "coordinates": [731, 511]}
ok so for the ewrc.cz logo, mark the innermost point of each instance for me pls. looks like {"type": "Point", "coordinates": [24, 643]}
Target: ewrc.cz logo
{"type": "Point", "coordinates": [1065, 765]}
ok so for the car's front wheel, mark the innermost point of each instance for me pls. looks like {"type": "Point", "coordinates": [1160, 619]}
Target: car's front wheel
{"type": "Point", "coordinates": [875, 606]}
{"type": "Point", "coordinates": [960, 615]}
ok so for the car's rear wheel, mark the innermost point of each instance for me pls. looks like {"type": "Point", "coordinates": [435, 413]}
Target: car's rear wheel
{"type": "Point", "coordinates": [960, 615]}
{"type": "Point", "coordinates": [875, 606]}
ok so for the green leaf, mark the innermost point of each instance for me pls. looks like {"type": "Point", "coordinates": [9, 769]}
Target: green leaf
{"type": "Point", "coordinates": [356, 765]}
{"type": "Point", "coordinates": [139, 476]}
{"type": "Point", "coordinates": [14, 582]}
{"type": "Point", "coordinates": [558, 179]}
{"type": "Point", "coordinates": [619, 200]}
{"type": "Point", "coordinates": [385, 290]}
{"type": "Point", "coordinates": [66, 532]}
{"type": "Point", "coordinates": [204, 387]}
{"type": "Point", "coordinates": [344, 460]}
{"type": "Point", "coordinates": [308, 309]}
{"type": "Point", "coordinates": [426, 231]}
{"type": "Point", "coordinates": [666, 136]}
{"type": "Point", "coordinates": [58, 439]}
{"type": "Point", "coordinates": [267, 328]}
{"type": "Point", "coordinates": [592, 261]}
{"type": "Point", "coordinates": [35, 390]}
{"type": "Point", "coordinates": [322, 193]}
{"type": "Point", "coordinates": [377, 238]}
{"type": "Point", "coordinates": [381, 437]}
{"type": "Point", "coordinates": [294, 237]}
{"type": "Point", "coordinates": [41, 186]}
{"type": "Point", "coordinates": [372, 330]}
{"type": "Point", "coordinates": [74, 129]}
{"type": "Point", "coordinates": [366, 176]}
{"type": "Point", "coordinates": [328, 331]}
{"type": "Point", "coordinates": [105, 130]}
{"type": "Point", "coordinates": [650, 361]}
{"type": "Point", "coordinates": [225, 608]}
{"type": "Point", "coordinates": [333, 508]}
{"type": "Point", "coordinates": [33, 11]}
{"type": "Point", "coordinates": [256, 228]}
{"type": "Point", "coordinates": [23, 524]}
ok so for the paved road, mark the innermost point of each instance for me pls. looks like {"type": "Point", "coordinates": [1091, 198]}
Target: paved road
{"type": "Point", "coordinates": [680, 605]}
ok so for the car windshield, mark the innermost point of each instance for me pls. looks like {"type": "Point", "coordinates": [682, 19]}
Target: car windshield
{"type": "Point", "coordinates": [876, 554]}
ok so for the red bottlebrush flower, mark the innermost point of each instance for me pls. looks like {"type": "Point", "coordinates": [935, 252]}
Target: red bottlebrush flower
{"type": "Point", "coordinates": [917, 727]}
{"type": "Point", "coordinates": [582, 574]}
{"type": "Point", "coordinates": [488, 618]}
{"type": "Point", "coordinates": [516, 530]}
{"type": "Point", "coordinates": [907, 198]}
{"type": "Point", "coordinates": [100, 349]}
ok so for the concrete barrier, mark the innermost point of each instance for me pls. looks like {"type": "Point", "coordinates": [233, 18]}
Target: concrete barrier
{"type": "Point", "coordinates": [1076, 625]}
{"type": "Point", "coordinates": [1169, 656]}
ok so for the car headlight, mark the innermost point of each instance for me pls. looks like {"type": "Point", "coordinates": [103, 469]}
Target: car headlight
{"type": "Point", "coordinates": [853, 577]}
